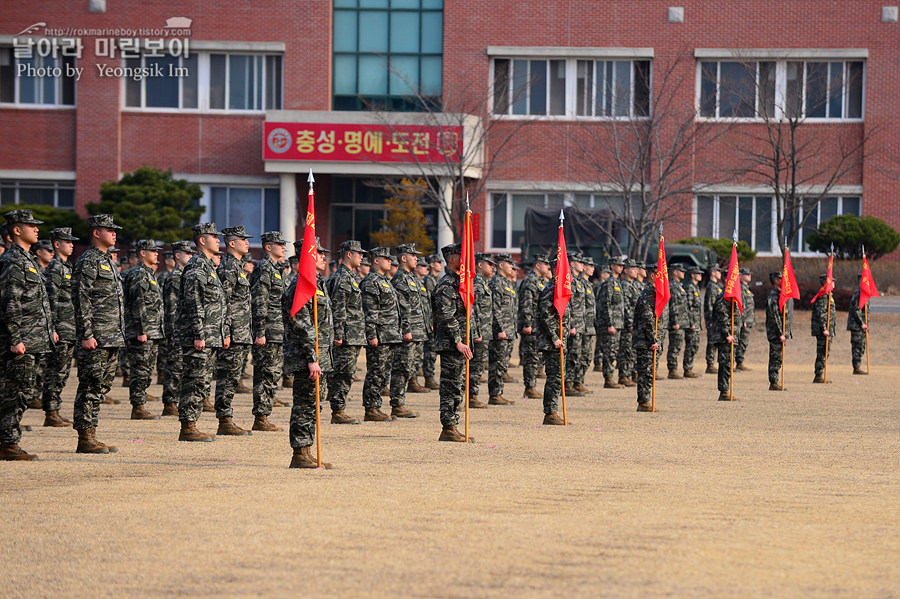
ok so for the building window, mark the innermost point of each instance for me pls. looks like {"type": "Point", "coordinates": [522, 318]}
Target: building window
{"type": "Point", "coordinates": [778, 89]}
{"type": "Point", "coordinates": [508, 216]}
{"type": "Point", "coordinates": [31, 81]}
{"type": "Point", "coordinates": [257, 208]}
{"type": "Point", "coordinates": [205, 81]}
{"type": "Point", "coordinates": [571, 87]}
{"type": "Point", "coordinates": [38, 193]}
{"type": "Point", "coordinates": [755, 219]}
{"type": "Point", "coordinates": [388, 54]}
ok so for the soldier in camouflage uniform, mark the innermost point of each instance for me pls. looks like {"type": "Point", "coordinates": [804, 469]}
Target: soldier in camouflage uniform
{"type": "Point", "coordinates": [576, 318]}
{"type": "Point", "coordinates": [43, 253]}
{"type": "Point", "coordinates": [503, 330]}
{"type": "Point", "coordinates": [26, 330]}
{"type": "Point", "coordinates": [749, 321]}
{"type": "Point", "coordinates": [822, 327]}
{"type": "Point", "coordinates": [58, 281]}
{"type": "Point", "coordinates": [349, 329]}
{"type": "Point", "coordinates": [722, 334]}
{"type": "Point", "coordinates": [482, 318]}
{"type": "Point", "coordinates": [382, 316]}
{"type": "Point", "coordinates": [230, 361]}
{"type": "Point", "coordinates": [605, 273]}
{"type": "Point", "coordinates": [201, 328]}
{"type": "Point", "coordinates": [610, 314]}
{"type": "Point", "coordinates": [99, 329]}
{"type": "Point", "coordinates": [549, 343]}
{"type": "Point", "coordinates": [529, 291]}
{"type": "Point", "coordinates": [645, 342]}
{"type": "Point", "coordinates": [435, 272]}
{"type": "Point", "coordinates": [422, 271]}
{"type": "Point", "coordinates": [856, 324]}
{"type": "Point", "coordinates": [308, 357]}
{"type": "Point", "coordinates": [450, 344]}
{"type": "Point", "coordinates": [143, 325]}
{"type": "Point", "coordinates": [774, 331]}
{"type": "Point", "coordinates": [174, 361]}
{"type": "Point", "coordinates": [590, 330]}
{"type": "Point", "coordinates": [713, 289]}
{"type": "Point", "coordinates": [266, 287]}
{"type": "Point", "coordinates": [412, 329]}
{"type": "Point", "coordinates": [631, 290]}
{"type": "Point", "coordinates": [694, 323]}
{"type": "Point", "coordinates": [162, 351]}
{"type": "Point", "coordinates": [678, 318]}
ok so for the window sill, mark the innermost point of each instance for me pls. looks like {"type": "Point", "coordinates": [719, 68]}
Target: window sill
{"type": "Point", "coordinates": [13, 106]}
{"type": "Point", "coordinates": [570, 118]}
{"type": "Point", "coordinates": [760, 121]}
{"type": "Point", "coordinates": [193, 111]}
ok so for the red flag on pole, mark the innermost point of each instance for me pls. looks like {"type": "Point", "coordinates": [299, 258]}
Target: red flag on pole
{"type": "Point", "coordinates": [828, 287]}
{"type": "Point", "coordinates": [789, 288]}
{"type": "Point", "coordinates": [562, 293]}
{"type": "Point", "coordinates": [306, 273]}
{"type": "Point", "coordinates": [467, 264]}
{"type": "Point", "coordinates": [733, 282]}
{"type": "Point", "coordinates": [661, 281]}
{"type": "Point", "coordinates": [867, 287]}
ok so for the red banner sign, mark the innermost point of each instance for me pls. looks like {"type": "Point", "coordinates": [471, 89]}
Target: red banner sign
{"type": "Point", "coordinates": [361, 143]}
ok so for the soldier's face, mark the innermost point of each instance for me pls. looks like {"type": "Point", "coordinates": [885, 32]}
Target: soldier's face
{"type": "Point", "coordinates": [437, 267]}
{"type": "Point", "coordinates": [421, 269]}
{"type": "Point", "coordinates": [241, 246]}
{"type": "Point", "coordinates": [211, 242]}
{"type": "Point", "coordinates": [617, 269]}
{"type": "Point", "coordinates": [578, 266]}
{"type": "Point", "coordinates": [364, 269]}
{"type": "Point", "coordinates": [105, 236]}
{"type": "Point", "coordinates": [275, 251]}
{"type": "Point", "coordinates": [697, 277]}
{"type": "Point", "coordinates": [542, 268]}
{"type": "Point", "coordinates": [64, 248]}
{"type": "Point", "coordinates": [382, 264]}
{"type": "Point", "coordinates": [506, 269]}
{"type": "Point", "coordinates": [411, 260]}
{"type": "Point", "coordinates": [353, 259]}
{"type": "Point", "coordinates": [149, 258]}
{"type": "Point", "coordinates": [182, 258]}
{"type": "Point", "coordinates": [677, 274]}
{"type": "Point", "coordinates": [321, 262]}
{"type": "Point", "coordinates": [745, 278]}
{"type": "Point", "coordinates": [589, 270]}
{"type": "Point", "coordinates": [487, 269]}
{"type": "Point", "coordinates": [170, 262]}
{"type": "Point", "coordinates": [27, 233]}
{"type": "Point", "coordinates": [44, 256]}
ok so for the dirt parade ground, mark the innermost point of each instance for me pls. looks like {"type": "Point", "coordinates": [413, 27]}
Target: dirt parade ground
{"type": "Point", "coordinates": [781, 494]}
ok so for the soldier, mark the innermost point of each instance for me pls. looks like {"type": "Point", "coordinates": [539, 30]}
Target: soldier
{"type": "Point", "coordinates": [856, 324]}
{"type": "Point", "coordinates": [174, 361]}
{"type": "Point", "coordinates": [382, 316]}
{"type": "Point", "coordinates": [412, 328]}
{"type": "Point", "coordinates": [365, 266]}
{"type": "Point", "coordinates": [162, 351]}
{"type": "Point", "coordinates": [694, 323]}
{"type": "Point", "coordinates": [590, 330]}
{"type": "Point", "coordinates": [610, 312]}
{"type": "Point", "coordinates": [482, 319]}
{"type": "Point", "coordinates": [777, 331]}
{"type": "Point", "coordinates": [201, 328]}
{"type": "Point", "coordinates": [605, 273]}
{"type": "Point", "coordinates": [99, 329]}
{"type": "Point", "coordinates": [26, 330]}
{"type": "Point", "coordinates": [529, 291]}
{"type": "Point", "coordinates": [230, 360]}
{"type": "Point", "coordinates": [645, 340]}
{"type": "Point", "coordinates": [450, 344]}
{"type": "Point", "coordinates": [713, 289]}
{"type": "Point", "coordinates": [724, 336]}
{"type": "Point", "coordinates": [822, 327]}
{"type": "Point", "coordinates": [549, 342]}
{"type": "Point", "coordinates": [425, 359]}
{"type": "Point", "coordinates": [43, 253]}
{"type": "Point", "coordinates": [58, 281]}
{"type": "Point", "coordinates": [749, 321]}
{"type": "Point", "coordinates": [308, 357]}
{"type": "Point", "coordinates": [437, 268]}
{"type": "Point", "coordinates": [631, 290]}
{"type": "Point", "coordinates": [678, 318]}
{"type": "Point", "coordinates": [503, 330]}
{"type": "Point", "coordinates": [143, 325]}
{"type": "Point", "coordinates": [266, 287]}
{"type": "Point", "coordinates": [573, 343]}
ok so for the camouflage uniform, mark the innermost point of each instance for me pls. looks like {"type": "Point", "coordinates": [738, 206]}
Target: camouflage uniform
{"type": "Point", "coordinates": [201, 315]}
{"type": "Point", "coordinates": [58, 280]}
{"type": "Point", "coordinates": [749, 319]}
{"type": "Point", "coordinates": [642, 338]}
{"type": "Point", "coordinates": [431, 281]}
{"type": "Point", "coordinates": [678, 315]}
{"type": "Point", "coordinates": [773, 331]}
{"type": "Point", "coordinates": [576, 318]}
{"type": "Point", "coordinates": [598, 347]}
{"type": "Point", "coordinates": [529, 291]}
{"type": "Point", "coordinates": [548, 332]}
{"type": "Point", "coordinates": [143, 316]}
{"type": "Point", "coordinates": [450, 330]}
{"type": "Point", "coordinates": [483, 318]}
{"type": "Point", "coordinates": [162, 350]}
{"type": "Point", "coordinates": [425, 301]}
{"type": "Point", "coordinates": [694, 323]}
{"type": "Point", "coordinates": [26, 318]}
{"type": "Point", "coordinates": [819, 319]}
{"type": "Point", "coordinates": [412, 321]}
{"type": "Point", "coordinates": [610, 313]}
{"type": "Point", "coordinates": [349, 327]}
{"type": "Point", "coordinates": [503, 299]}
{"type": "Point", "coordinates": [709, 299]}
{"type": "Point", "coordinates": [99, 313]}
{"type": "Point", "coordinates": [590, 331]}
{"type": "Point", "coordinates": [174, 359]}
{"type": "Point", "coordinates": [631, 291]}
{"type": "Point", "coordinates": [266, 287]}
{"type": "Point", "coordinates": [855, 320]}
{"type": "Point", "coordinates": [382, 316]}
{"type": "Point", "coordinates": [230, 362]}
{"type": "Point", "coordinates": [720, 330]}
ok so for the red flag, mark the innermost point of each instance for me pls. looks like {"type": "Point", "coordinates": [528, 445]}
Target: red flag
{"type": "Point", "coordinates": [661, 281]}
{"type": "Point", "coordinates": [306, 272]}
{"type": "Point", "coordinates": [828, 287]}
{"type": "Point", "coordinates": [467, 265]}
{"type": "Point", "coordinates": [562, 293]}
{"type": "Point", "coordinates": [733, 281]}
{"type": "Point", "coordinates": [867, 287]}
{"type": "Point", "coordinates": [789, 288]}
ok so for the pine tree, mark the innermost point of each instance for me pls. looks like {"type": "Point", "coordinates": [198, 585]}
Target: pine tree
{"type": "Point", "coordinates": [405, 222]}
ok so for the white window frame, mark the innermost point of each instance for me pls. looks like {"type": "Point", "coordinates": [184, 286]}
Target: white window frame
{"type": "Point", "coordinates": [17, 103]}
{"type": "Point", "coordinates": [206, 202]}
{"type": "Point", "coordinates": [56, 186]}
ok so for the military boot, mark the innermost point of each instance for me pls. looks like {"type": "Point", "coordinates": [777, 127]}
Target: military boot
{"type": "Point", "coordinates": [287, 382]}
{"type": "Point", "coordinates": [139, 412]}
{"type": "Point", "coordinates": [151, 397]}
{"type": "Point", "coordinates": [571, 391]}
{"type": "Point", "coordinates": [645, 407]}
{"type": "Point", "coordinates": [690, 374]}
{"type": "Point", "coordinates": [242, 388]}
{"type": "Point", "coordinates": [723, 396]}
{"type": "Point", "coordinates": [553, 418]}
{"type": "Point", "coordinates": [109, 400]}
{"type": "Point", "coordinates": [819, 379]}
{"type": "Point", "coordinates": [207, 405]}
{"type": "Point", "coordinates": [775, 387]}
{"type": "Point", "coordinates": [304, 459]}
{"type": "Point", "coordinates": [160, 379]}
{"type": "Point", "coordinates": [431, 383]}
{"type": "Point", "coordinates": [743, 367]}
{"type": "Point", "coordinates": [376, 415]}
{"type": "Point", "coordinates": [626, 382]}
{"type": "Point", "coordinates": [126, 381]}
{"type": "Point", "coordinates": [659, 375]}
{"type": "Point", "coordinates": [277, 403]}
{"type": "Point", "coordinates": [498, 400]}
{"type": "Point", "coordinates": [189, 432]}
{"type": "Point", "coordinates": [11, 452]}
{"type": "Point", "coordinates": [451, 433]}
{"type": "Point", "coordinates": [483, 379]}
{"type": "Point", "coordinates": [227, 427]}
{"type": "Point", "coordinates": [673, 374]}
{"type": "Point", "coordinates": [858, 370]}
{"type": "Point", "coordinates": [415, 387]}
{"type": "Point", "coordinates": [582, 389]}
{"type": "Point", "coordinates": [609, 384]}
{"type": "Point", "coordinates": [712, 369]}
{"type": "Point", "coordinates": [339, 417]}
{"type": "Point", "coordinates": [170, 409]}
{"type": "Point", "coordinates": [35, 404]}
{"type": "Point", "coordinates": [261, 423]}
{"type": "Point", "coordinates": [598, 367]}
{"type": "Point", "coordinates": [532, 393]}
{"type": "Point", "coordinates": [403, 412]}
{"type": "Point", "coordinates": [87, 443]}
{"type": "Point", "coordinates": [542, 374]}
{"type": "Point", "coordinates": [118, 371]}
{"type": "Point", "coordinates": [507, 378]}
{"type": "Point", "coordinates": [53, 418]}
{"type": "Point", "coordinates": [475, 404]}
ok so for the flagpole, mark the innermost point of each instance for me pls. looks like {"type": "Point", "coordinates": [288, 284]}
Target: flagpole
{"type": "Point", "coordinates": [318, 416]}
{"type": "Point", "coordinates": [866, 312]}
{"type": "Point", "coordinates": [466, 223]}
{"type": "Point", "coordinates": [731, 377]}
{"type": "Point", "coordinates": [827, 337]}
{"type": "Point", "coordinates": [653, 380]}
{"type": "Point", "coordinates": [782, 344]}
{"type": "Point", "coordinates": [562, 370]}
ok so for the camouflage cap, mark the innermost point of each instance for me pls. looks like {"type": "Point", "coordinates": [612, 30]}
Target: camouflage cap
{"type": "Point", "coordinates": [715, 268]}
{"type": "Point", "coordinates": [42, 244]}
{"type": "Point", "coordinates": [394, 261]}
{"type": "Point", "coordinates": [605, 269]}
{"type": "Point", "coordinates": [320, 247]}
{"type": "Point", "coordinates": [678, 266]}
{"type": "Point", "coordinates": [576, 256]}
{"type": "Point", "coordinates": [63, 233]}
{"type": "Point", "coordinates": [545, 258]}
{"type": "Point", "coordinates": [182, 246]}
{"type": "Point", "coordinates": [503, 258]}
{"type": "Point", "coordinates": [694, 270]}
{"type": "Point", "coordinates": [630, 263]}
{"type": "Point", "coordinates": [380, 252]}
{"type": "Point", "coordinates": [482, 257]}
{"type": "Point", "coordinates": [616, 260]}
{"type": "Point", "coordinates": [295, 259]}
{"type": "Point", "coordinates": [272, 237]}
{"type": "Point", "coordinates": [146, 245]}
{"type": "Point", "coordinates": [744, 271]}
{"type": "Point", "coordinates": [588, 261]}
{"type": "Point", "coordinates": [236, 232]}
{"type": "Point", "coordinates": [113, 250]}
{"type": "Point", "coordinates": [454, 249]}
{"type": "Point", "coordinates": [775, 275]}
{"type": "Point", "coordinates": [434, 258]}
{"type": "Point", "coordinates": [652, 267]}
{"type": "Point", "coordinates": [168, 254]}
{"type": "Point", "coordinates": [101, 220]}
{"type": "Point", "coordinates": [408, 248]}
{"type": "Point", "coordinates": [132, 253]}
{"type": "Point", "coordinates": [206, 229]}
{"type": "Point", "coordinates": [366, 261]}
{"type": "Point", "coordinates": [24, 217]}
{"type": "Point", "coordinates": [351, 245]}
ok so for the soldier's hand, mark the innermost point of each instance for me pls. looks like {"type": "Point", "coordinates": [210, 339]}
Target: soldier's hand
{"type": "Point", "coordinates": [611, 330]}
{"type": "Point", "coordinates": [479, 340]}
{"type": "Point", "coordinates": [557, 343]}
{"type": "Point", "coordinates": [260, 341]}
{"type": "Point", "coordinates": [407, 337]}
{"type": "Point", "coordinates": [782, 338]}
{"type": "Point", "coordinates": [338, 342]}
{"type": "Point", "coordinates": [142, 338]}
{"type": "Point", "coordinates": [199, 344]}
{"type": "Point", "coordinates": [826, 333]}
{"type": "Point", "coordinates": [572, 332]}
{"type": "Point", "coordinates": [501, 335]}
{"type": "Point", "coordinates": [55, 337]}
{"type": "Point", "coordinates": [18, 349]}
{"type": "Point", "coordinates": [526, 330]}
{"type": "Point", "coordinates": [676, 327]}
{"type": "Point", "coordinates": [314, 370]}
{"type": "Point", "coordinates": [89, 344]}
{"type": "Point", "coordinates": [226, 343]}
{"type": "Point", "coordinates": [729, 339]}
{"type": "Point", "coordinates": [464, 350]}
{"type": "Point", "coordinates": [865, 327]}
{"type": "Point", "coordinates": [373, 342]}
{"type": "Point", "coordinates": [654, 347]}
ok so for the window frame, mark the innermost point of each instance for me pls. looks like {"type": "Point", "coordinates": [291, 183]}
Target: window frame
{"type": "Point", "coordinates": [18, 184]}
{"type": "Point", "coordinates": [60, 61]}
{"type": "Point", "coordinates": [207, 202]}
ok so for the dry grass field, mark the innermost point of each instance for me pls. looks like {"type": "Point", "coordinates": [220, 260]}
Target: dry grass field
{"type": "Point", "coordinates": [791, 494]}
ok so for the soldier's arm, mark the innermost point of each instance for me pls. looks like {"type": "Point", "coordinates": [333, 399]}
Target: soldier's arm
{"type": "Point", "coordinates": [229, 281]}
{"type": "Point", "coordinates": [139, 285]}
{"type": "Point", "coordinates": [401, 289]}
{"type": "Point", "coordinates": [259, 304]}
{"type": "Point", "coordinates": [52, 283]}
{"type": "Point", "coordinates": [370, 307]}
{"type": "Point", "coordinates": [84, 309]}
{"type": "Point", "coordinates": [496, 309]}
{"type": "Point", "coordinates": [12, 286]}
{"type": "Point", "coordinates": [340, 292]}
{"type": "Point", "coordinates": [192, 302]}
{"type": "Point", "coordinates": [445, 313]}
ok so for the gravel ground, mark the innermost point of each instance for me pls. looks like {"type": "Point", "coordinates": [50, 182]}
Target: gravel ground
{"type": "Point", "coordinates": [792, 494]}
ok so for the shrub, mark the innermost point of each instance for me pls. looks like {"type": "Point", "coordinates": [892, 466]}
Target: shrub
{"type": "Point", "coordinates": [849, 233]}
{"type": "Point", "coordinates": [722, 248]}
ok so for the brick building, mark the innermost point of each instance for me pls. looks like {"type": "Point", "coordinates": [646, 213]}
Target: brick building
{"type": "Point", "coordinates": [244, 99]}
